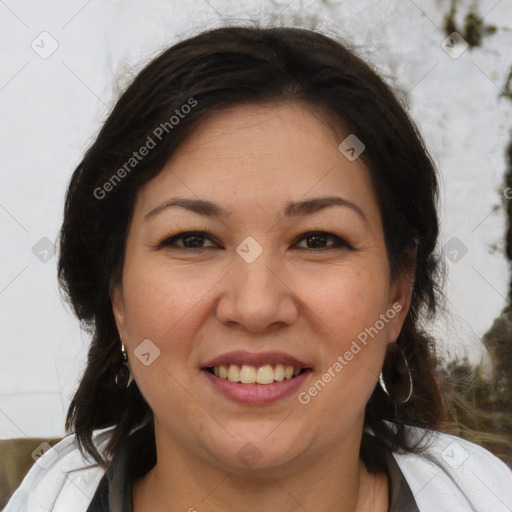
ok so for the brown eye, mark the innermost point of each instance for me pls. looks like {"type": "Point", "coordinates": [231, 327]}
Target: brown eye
{"type": "Point", "coordinates": [319, 239]}
{"type": "Point", "coordinates": [190, 240]}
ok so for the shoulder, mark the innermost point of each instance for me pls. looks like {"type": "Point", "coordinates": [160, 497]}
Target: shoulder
{"type": "Point", "coordinates": [455, 474]}
{"type": "Point", "coordinates": [61, 479]}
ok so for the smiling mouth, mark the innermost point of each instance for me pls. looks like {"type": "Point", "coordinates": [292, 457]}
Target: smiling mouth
{"type": "Point", "coordinates": [248, 374]}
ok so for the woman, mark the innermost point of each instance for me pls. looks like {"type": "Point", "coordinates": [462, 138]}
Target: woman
{"type": "Point", "coordinates": [251, 242]}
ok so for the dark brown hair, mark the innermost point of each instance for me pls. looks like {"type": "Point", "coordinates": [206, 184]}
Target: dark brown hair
{"type": "Point", "coordinates": [211, 71]}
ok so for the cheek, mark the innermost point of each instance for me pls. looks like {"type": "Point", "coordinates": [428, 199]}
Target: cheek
{"type": "Point", "coordinates": [347, 306]}
{"type": "Point", "coordinates": [348, 299]}
{"type": "Point", "coordinates": [158, 300]}
{"type": "Point", "coordinates": [162, 305]}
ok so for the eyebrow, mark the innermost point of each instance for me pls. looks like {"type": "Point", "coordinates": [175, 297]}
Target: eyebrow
{"type": "Point", "coordinates": [292, 209]}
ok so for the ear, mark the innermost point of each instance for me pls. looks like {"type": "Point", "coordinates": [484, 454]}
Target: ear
{"type": "Point", "coordinates": [401, 294]}
{"type": "Point", "coordinates": [117, 300]}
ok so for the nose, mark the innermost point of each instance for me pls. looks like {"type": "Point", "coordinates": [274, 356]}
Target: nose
{"type": "Point", "coordinates": [256, 296]}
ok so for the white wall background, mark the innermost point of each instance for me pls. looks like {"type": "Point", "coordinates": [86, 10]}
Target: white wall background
{"type": "Point", "coordinates": [53, 104]}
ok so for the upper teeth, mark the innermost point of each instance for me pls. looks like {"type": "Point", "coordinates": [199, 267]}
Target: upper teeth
{"type": "Point", "coordinates": [247, 374]}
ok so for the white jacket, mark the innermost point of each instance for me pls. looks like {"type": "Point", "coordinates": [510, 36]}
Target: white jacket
{"type": "Point", "coordinates": [460, 477]}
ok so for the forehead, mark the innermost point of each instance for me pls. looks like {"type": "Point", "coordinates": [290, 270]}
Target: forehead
{"type": "Point", "coordinates": [259, 156]}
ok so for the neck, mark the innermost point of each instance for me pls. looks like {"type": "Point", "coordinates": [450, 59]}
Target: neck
{"type": "Point", "coordinates": [337, 480]}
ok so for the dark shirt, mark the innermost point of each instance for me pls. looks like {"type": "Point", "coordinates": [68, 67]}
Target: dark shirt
{"type": "Point", "coordinates": [137, 455]}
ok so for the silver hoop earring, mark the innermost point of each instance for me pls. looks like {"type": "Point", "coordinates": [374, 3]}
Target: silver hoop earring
{"type": "Point", "coordinates": [395, 377]}
{"type": "Point", "coordinates": [123, 376]}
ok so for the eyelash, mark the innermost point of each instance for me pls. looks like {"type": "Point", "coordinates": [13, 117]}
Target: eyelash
{"type": "Point", "coordinates": [168, 242]}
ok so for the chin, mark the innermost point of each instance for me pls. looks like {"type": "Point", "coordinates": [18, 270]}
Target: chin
{"type": "Point", "coordinates": [260, 448]}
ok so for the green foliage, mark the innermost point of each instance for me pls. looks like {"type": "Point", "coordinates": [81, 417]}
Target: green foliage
{"type": "Point", "coordinates": [478, 401]}
{"type": "Point", "coordinates": [449, 21]}
{"type": "Point", "coordinates": [473, 30]}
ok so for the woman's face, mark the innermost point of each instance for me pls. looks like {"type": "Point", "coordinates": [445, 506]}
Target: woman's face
{"type": "Point", "coordinates": [251, 293]}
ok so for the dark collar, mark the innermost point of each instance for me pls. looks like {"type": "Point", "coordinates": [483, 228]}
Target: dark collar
{"type": "Point", "coordinates": [401, 498]}
{"type": "Point", "coordinates": [133, 459]}
{"type": "Point", "coordinates": [137, 455]}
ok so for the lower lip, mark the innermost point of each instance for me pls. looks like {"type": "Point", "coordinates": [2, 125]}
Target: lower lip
{"type": "Point", "coordinates": [256, 394]}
